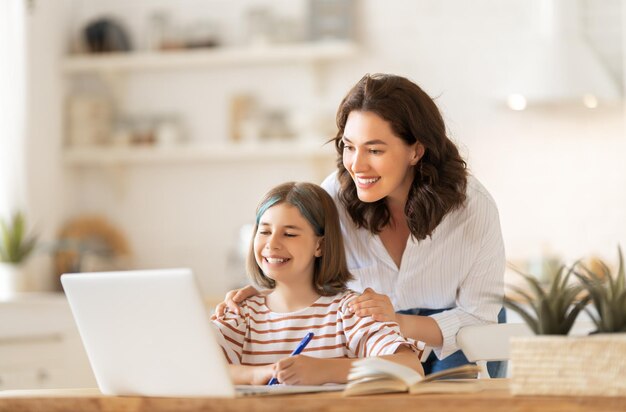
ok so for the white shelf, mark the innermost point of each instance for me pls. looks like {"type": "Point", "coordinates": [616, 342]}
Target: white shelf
{"type": "Point", "coordinates": [194, 58]}
{"type": "Point", "coordinates": [289, 151]}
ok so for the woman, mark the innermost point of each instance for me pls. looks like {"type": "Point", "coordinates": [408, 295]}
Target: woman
{"type": "Point", "coordinates": [422, 237]}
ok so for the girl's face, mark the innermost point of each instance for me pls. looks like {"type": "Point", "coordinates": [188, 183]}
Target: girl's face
{"type": "Point", "coordinates": [285, 245]}
{"type": "Point", "coordinates": [380, 163]}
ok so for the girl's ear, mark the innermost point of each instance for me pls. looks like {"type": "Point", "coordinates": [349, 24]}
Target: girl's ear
{"type": "Point", "coordinates": [319, 246]}
{"type": "Point", "coordinates": [417, 153]}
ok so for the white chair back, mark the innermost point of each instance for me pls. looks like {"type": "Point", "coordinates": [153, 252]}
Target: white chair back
{"type": "Point", "coordinates": [484, 343]}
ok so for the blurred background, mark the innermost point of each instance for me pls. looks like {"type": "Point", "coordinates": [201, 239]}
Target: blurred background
{"type": "Point", "coordinates": [141, 134]}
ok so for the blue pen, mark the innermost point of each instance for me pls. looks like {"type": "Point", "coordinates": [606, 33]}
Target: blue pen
{"type": "Point", "coordinates": [305, 341]}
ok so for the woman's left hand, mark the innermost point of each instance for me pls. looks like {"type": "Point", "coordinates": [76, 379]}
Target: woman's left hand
{"type": "Point", "coordinates": [373, 304]}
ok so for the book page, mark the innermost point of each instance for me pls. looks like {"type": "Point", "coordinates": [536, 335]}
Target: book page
{"type": "Point", "coordinates": [368, 367]}
{"type": "Point", "coordinates": [447, 386]}
{"type": "Point", "coordinates": [367, 386]}
{"type": "Point", "coordinates": [374, 375]}
{"type": "Point", "coordinates": [459, 372]}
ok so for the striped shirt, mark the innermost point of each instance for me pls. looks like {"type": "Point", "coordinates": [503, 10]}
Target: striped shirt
{"type": "Point", "coordinates": [259, 336]}
{"type": "Point", "coordinates": [460, 267]}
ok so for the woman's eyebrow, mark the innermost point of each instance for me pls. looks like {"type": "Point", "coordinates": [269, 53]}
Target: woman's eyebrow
{"type": "Point", "coordinates": [368, 143]}
{"type": "Point", "coordinates": [375, 141]}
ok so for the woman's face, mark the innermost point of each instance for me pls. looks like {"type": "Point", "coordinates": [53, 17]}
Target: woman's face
{"type": "Point", "coordinates": [380, 163]}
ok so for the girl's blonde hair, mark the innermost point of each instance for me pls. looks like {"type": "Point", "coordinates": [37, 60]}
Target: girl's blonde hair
{"type": "Point", "coordinates": [330, 273]}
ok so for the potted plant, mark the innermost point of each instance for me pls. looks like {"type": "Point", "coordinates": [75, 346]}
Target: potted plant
{"type": "Point", "coordinates": [553, 363]}
{"type": "Point", "coordinates": [608, 295]}
{"type": "Point", "coordinates": [15, 248]}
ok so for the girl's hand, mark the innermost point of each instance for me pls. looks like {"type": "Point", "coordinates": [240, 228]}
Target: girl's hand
{"type": "Point", "coordinates": [261, 375]}
{"type": "Point", "coordinates": [373, 304]}
{"type": "Point", "coordinates": [232, 300]}
{"type": "Point", "coordinates": [301, 370]}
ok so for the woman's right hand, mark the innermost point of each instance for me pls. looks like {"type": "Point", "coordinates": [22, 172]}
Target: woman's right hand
{"type": "Point", "coordinates": [373, 304]}
{"type": "Point", "coordinates": [232, 300]}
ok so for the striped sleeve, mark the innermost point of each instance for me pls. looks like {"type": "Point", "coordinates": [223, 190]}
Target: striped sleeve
{"type": "Point", "coordinates": [231, 335]}
{"type": "Point", "coordinates": [367, 337]}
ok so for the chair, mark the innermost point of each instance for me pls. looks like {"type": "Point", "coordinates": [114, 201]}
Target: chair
{"type": "Point", "coordinates": [485, 343]}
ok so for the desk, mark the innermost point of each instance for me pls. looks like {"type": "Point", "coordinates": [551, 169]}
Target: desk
{"type": "Point", "coordinates": [495, 398]}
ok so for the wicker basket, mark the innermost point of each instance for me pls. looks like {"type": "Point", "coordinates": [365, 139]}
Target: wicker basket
{"type": "Point", "coordinates": [561, 365]}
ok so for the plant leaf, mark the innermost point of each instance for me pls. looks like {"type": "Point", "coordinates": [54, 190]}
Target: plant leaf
{"type": "Point", "coordinates": [594, 318]}
{"type": "Point", "coordinates": [517, 308]}
{"type": "Point", "coordinates": [573, 314]}
{"type": "Point", "coordinates": [15, 247]}
{"type": "Point", "coordinates": [620, 269]}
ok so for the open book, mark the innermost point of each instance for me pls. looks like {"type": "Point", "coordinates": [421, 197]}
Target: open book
{"type": "Point", "coordinates": [375, 375]}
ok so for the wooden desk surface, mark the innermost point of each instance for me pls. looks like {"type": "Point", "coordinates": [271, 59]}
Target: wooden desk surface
{"type": "Point", "coordinates": [495, 398]}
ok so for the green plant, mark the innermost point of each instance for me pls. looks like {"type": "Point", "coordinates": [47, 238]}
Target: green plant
{"type": "Point", "coordinates": [552, 310]}
{"type": "Point", "coordinates": [608, 296]}
{"type": "Point", "coordinates": [15, 246]}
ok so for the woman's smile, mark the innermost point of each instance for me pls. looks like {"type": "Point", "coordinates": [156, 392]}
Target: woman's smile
{"type": "Point", "coordinates": [366, 182]}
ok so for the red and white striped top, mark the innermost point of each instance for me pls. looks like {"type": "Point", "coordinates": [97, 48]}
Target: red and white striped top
{"type": "Point", "coordinates": [259, 336]}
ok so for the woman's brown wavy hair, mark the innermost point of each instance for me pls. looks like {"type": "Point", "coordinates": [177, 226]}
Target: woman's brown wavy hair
{"type": "Point", "coordinates": [440, 177]}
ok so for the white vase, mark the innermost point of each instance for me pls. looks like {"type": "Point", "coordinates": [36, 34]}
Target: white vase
{"type": "Point", "coordinates": [12, 280]}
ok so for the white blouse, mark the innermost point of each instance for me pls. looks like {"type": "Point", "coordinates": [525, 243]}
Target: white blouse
{"type": "Point", "coordinates": [460, 267]}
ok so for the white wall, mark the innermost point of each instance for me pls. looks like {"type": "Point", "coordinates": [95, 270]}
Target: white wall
{"type": "Point", "coordinates": [49, 184]}
{"type": "Point", "coordinates": [556, 174]}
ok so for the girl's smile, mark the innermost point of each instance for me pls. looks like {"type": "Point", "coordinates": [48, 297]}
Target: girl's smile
{"type": "Point", "coordinates": [285, 245]}
{"type": "Point", "coordinates": [273, 260]}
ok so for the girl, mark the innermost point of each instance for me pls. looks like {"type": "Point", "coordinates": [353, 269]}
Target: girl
{"type": "Point", "coordinates": [297, 252]}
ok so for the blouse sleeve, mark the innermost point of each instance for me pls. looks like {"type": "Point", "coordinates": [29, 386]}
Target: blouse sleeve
{"type": "Point", "coordinates": [331, 185]}
{"type": "Point", "coordinates": [231, 335]}
{"type": "Point", "coordinates": [367, 337]}
{"type": "Point", "coordinates": [479, 295]}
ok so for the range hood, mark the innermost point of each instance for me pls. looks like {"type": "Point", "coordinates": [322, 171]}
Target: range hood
{"type": "Point", "coordinates": [556, 65]}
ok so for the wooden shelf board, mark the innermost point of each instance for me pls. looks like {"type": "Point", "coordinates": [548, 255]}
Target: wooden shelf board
{"type": "Point", "coordinates": [95, 156]}
{"type": "Point", "coordinates": [177, 59]}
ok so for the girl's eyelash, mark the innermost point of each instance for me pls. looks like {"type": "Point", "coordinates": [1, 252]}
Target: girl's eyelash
{"type": "Point", "coordinates": [267, 232]}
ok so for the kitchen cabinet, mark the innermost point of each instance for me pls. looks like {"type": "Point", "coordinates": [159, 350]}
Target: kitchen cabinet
{"type": "Point", "coordinates": [39, 344]}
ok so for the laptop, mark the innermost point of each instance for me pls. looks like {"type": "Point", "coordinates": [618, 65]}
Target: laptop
{"type": "Point", "coordinates": [148, 333]}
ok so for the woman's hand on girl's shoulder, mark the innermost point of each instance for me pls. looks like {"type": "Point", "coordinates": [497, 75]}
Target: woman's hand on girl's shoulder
{"type": "Point", "coordinates": [232, 300]}
{"type": "Point", "coordinates": [373, 304]}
